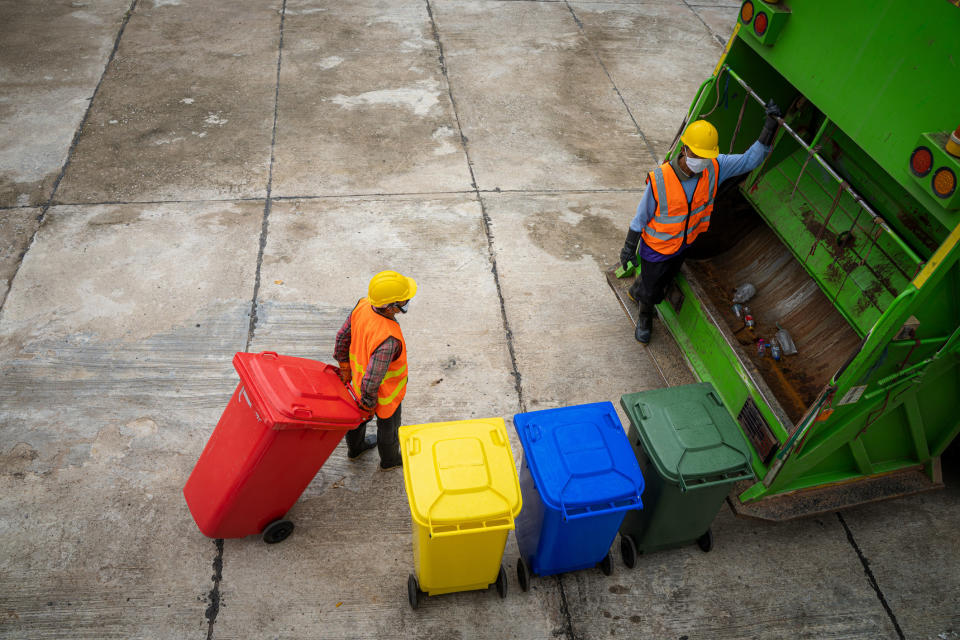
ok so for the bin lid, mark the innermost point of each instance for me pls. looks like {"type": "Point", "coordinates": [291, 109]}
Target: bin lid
{"type": "Point", "coordinates": [460, 472]}
{"type": "Point", "coordinates": [689, 436]}
{"type": "Point", "coordinates": [304, 392]}
{"type": "Point", "coordinates": [580, 458]}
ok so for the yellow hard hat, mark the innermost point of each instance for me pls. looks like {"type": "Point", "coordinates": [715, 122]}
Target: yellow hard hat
{"type": "Point", "coordinates": [702, 138]}
{"type": "Point", "coordinates": [390, 286]}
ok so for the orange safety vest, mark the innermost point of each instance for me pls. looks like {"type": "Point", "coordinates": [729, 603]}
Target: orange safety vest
{"type": "Point", "coordinates": [368, 330]}
{"type": "Point", "coordinates": [675, 218]}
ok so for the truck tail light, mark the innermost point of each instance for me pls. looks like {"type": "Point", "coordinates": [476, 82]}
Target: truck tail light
{"type": "Point", "coordinates": [921, 161]}
{"type": "Point", "coordinates": [746, 12]}
{"type": "Point", "coordinates": [944, 182]}
{"type": "Point", "coordinates": [760, 23]}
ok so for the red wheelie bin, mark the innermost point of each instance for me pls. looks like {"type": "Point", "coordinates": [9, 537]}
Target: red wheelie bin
{"type": "Point", "coordinates": [285, 418]}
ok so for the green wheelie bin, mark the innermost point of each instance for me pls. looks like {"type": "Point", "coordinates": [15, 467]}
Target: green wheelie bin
{"type": "Point", "coordinates": [691, 452]}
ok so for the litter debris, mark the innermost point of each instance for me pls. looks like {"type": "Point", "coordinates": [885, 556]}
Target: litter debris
{"type": "Point", "coordinates": [785, 341]}
{"type": "Point", "coordinates": [744, 292]}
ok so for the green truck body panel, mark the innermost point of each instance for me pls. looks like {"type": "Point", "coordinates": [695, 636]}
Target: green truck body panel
{"type": "Point", "coordinates": [874, 260]}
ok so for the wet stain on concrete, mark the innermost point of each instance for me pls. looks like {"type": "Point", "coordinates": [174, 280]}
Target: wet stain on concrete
{"type": "Point", "coordinates": [17, 459]}
{"type": "Point", "coordinates": [574, 233]}
{"type": "Point", "coordinates": [25, 194]}
{"type": "Point", "coordinates": [618, 589]}
{"type": "Point", "coordinates": [118, 215]}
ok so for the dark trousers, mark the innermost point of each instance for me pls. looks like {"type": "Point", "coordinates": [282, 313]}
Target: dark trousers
{"type": "Point", "coordinates": [651, 285]}
{"type": "Point", "coordinates": [388, 443]}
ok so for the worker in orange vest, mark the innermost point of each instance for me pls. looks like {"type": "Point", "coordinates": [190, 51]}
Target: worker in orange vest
{"type": "Point", "coordinates": [676, 208]}
{"type": "Point", "coordinates": [373, 361]}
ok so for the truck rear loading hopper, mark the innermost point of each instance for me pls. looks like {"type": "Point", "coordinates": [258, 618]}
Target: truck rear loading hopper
{"type": "Point", "coordinates": [850, 232]}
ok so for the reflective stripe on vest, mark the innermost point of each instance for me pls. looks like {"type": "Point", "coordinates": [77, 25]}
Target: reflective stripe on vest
{"type": "Point", "coordinates": [677, 218]}
{"type": "Point", "coordinates": [368, 330]}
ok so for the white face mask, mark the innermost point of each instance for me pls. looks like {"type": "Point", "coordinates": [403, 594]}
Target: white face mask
{"type": "Point", "coordinates": [696, 165]}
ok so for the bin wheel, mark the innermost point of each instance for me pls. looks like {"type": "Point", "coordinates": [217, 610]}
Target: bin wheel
{"type": "Point", "coordinates": [606, 565]}
{"type": "Point", "coordinates": [628, 551]}
{"type": "Point", "coordinates": [705, 542]}
{"type": "Point", "coordinates": [523, 574]}
{"type": "Point", "coordinates": [502, 582]}
{"type": "Point", "coordinates": [413, 591]}
{"type": "Point", "coordinates": [277, 531]}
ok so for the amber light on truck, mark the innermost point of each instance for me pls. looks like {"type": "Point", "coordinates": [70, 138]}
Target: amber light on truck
{"type": "Point", "coordinates": [944, 182]}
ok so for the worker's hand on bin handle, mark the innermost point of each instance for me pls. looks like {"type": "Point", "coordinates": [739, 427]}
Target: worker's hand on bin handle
{"type": "Point", "coordinates": [344, 373]}
{"type": "Point", "coordinates": [771, 122]}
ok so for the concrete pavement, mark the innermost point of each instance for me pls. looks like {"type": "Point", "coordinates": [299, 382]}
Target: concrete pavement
{"type": "Point", "coordinates": [183, 180]}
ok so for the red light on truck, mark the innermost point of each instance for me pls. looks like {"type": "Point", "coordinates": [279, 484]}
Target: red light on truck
{"type": "Point", "coordinates": [760, 23]}
{"type": "Point", "coordinates": [921, 161]}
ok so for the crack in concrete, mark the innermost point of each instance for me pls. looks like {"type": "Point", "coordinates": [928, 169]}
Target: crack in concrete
{"type": "Point", "coordinates": [565, 610]}
{"type": "Point", "coordinates": [871, 577]}
{"type": "Point", "coordinates": [70, 150]}
{"type": "Point", "coordinates": [596, 56]}
{"type": "Point", "coordinates": [267, 205]}
{"type": "Point", "coordinates": [487, 223]}
{"type": "Point", "coordinates": [213, 608]}
{"type": "Point", "coordinates": [334, 196]}
{"type": "Point", "coordinates": [716, 36]}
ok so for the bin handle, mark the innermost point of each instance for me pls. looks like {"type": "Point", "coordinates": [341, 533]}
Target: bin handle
{"type": "Point", "coordinates": [272, 355]}
{"type": "Point", "coordinates": [497, 437]}
{"type": "Point", "coordinates": [642, 409]}
{"type": "Point", "coordinates": [301, 411]}
{"type": "Point", "coordinates": [711, 483]}
{"type": "Point", "coordinates": [413, 446]}
{"type": "Point", "coordinates": [534, 431]}
{"type": "Point", "coordinates": [443, 534]}
{"type": "Point", "coordinates": [507, 515]}
{"type": "Point", "coordinates": [712, 395]}
{"type": "Point", "coordinates": [634, 502]}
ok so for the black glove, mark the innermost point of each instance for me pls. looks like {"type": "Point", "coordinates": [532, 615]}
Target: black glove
{"type": "Point", "coordinates": [629, 251]}
{"type": "Point", "coordinates": [770, 124]}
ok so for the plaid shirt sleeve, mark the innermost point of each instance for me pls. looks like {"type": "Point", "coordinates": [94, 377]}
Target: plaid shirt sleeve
{"type": "Point", "coordinates": [341, 348]}
{"type": "Point", "coordinates": [380, 361]}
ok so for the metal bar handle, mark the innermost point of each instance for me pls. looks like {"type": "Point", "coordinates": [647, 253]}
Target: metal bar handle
{"type": "Point", "coordinates": [823, 163]}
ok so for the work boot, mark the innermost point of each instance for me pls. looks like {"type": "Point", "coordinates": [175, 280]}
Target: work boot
{"type": "Point", "coordinates": [644, 324]}
{"type": "Point", "coordinates": [386, 466]}
{"type": "Point", "coordinates": [634, 291]}
{"type": "Point", "coordinates": [368, 443]}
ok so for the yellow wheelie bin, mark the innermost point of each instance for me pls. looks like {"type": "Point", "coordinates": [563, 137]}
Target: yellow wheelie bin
{"type": "Point", "coordinates": [464, 494]}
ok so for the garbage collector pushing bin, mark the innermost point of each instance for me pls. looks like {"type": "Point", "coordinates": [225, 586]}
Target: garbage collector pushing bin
{"type": "Point", "coordinates": [464, 494]}
{"type": "Point", "coordinates": [578, 479]}
{"type": "Point", "coordinates": [285, 418]}
{"type": "Point", "coordinates": [691, 452]}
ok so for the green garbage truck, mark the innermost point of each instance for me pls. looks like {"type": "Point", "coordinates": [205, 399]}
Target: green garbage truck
{"type": "Point", "coordinates": [849, 232]}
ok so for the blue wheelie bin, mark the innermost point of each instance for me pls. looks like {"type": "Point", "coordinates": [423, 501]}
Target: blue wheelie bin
{"type": "Point", "coordinates": [578, 479]}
